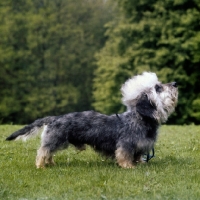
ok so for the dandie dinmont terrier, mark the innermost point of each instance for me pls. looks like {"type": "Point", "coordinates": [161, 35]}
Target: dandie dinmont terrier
{"type": "Point", "coordinates": [125, 137]}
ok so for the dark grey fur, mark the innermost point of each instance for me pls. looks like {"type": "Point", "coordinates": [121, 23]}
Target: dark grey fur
{"type": "Point", "coordinates": [104, 133]}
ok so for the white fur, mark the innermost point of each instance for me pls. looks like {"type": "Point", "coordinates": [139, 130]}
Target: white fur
{"type": "Point", "coordinates": [134, 86]}
{"type": "Point", "coordinates": [165, 103]}
{"type": "Point", "coordinates": [44, 131]}
{"type": "Point", "coordinates": [28, 135]}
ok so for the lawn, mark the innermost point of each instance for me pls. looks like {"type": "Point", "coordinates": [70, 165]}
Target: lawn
{"type": "Point", "coordinates": [173, 174]}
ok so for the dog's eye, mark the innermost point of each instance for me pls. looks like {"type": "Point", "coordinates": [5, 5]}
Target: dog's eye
{"type": "Point", "coordinates": [158, 88]}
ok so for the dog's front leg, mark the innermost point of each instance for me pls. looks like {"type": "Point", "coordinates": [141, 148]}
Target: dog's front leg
{"type": "Point", "coordinates": [124, 158]}
{"type": "Point", "coordinates": [138, 158]}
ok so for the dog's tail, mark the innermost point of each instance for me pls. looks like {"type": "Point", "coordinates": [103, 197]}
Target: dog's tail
{"type": "Point", "coordinates": [31, 129]}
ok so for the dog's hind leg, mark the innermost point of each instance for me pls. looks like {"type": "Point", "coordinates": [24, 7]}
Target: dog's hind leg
{"type": "Point", "coordinates": [52, 139]}
{"type": "Point", "coordinates": [124, 158]}
{"type": "Point", "coordinates": [49, 160]}
{"type": "Point", "coordinates": [43, 156]}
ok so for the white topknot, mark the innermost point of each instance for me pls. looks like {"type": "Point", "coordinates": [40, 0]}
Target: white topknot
{"type": "Point", "coordinates": [134, 86]}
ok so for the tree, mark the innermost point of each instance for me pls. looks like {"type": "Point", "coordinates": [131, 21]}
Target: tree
{"type": "Point", "coordinates": [14, 57]}
{"type": "Point", "coordinates": [47, 56]}
{"type": "Point", "coordinates": [159, 36]}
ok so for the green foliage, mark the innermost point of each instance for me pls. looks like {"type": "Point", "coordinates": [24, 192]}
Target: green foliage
{"type": "Point", "coordinates": [172, 174]}
{"type": "Point", "coordinates": [159, 36]}
{"type": "Point", "coordinates": [47, 56]}
{"type": "Point", "coordinates": [196, 109]}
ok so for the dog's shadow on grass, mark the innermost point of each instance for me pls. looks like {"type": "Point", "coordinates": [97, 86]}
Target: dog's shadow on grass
{"type": "Point", "coordinates": [108, 163]}
{"type": "Point", "coordinates": [171, 161]}
{"type": "Point", "coordinates": [86, 164]}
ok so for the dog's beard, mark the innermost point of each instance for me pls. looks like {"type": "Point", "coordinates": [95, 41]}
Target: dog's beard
{"type": "Point", "coordinates": [165, 103]}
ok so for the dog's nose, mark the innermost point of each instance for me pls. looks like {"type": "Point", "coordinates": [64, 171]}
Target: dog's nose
{"type": "Point", "coordinates": [174, 84]}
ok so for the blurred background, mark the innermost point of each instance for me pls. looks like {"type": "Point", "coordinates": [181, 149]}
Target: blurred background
{"type": "Point", "coordinates": [60, 56]}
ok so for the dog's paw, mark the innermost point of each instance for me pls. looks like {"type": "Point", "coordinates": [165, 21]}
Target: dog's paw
{"type": "Point", "coordinates": [40, 166]}
{"type": "Point", "coordinates": [126, 165]}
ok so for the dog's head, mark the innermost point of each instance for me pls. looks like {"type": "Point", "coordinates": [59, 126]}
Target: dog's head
{"type": "Point", "coordinates": [150, 97]}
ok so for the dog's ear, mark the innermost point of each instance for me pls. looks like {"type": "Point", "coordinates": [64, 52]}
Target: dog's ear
{"type": "Point", "coordinates": [145, 108]}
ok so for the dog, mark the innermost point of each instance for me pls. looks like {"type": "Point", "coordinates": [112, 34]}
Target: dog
{"type": "Point", "coordinates": [126, 137]}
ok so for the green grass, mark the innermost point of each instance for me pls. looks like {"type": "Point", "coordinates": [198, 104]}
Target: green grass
{"type": "Point", "coordinates": [173, 174]}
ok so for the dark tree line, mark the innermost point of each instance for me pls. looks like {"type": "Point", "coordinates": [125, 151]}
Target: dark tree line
{"type": "Point", "coordinates": [72, 55]}
{"type": "Point", "coordinates": [159, 36]}
{"type": "Point", "coordinates": [47, 56]}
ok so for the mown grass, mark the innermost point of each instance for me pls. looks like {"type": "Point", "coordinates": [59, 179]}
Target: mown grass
{"type": "Point", "coordinates": [173, 174]}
